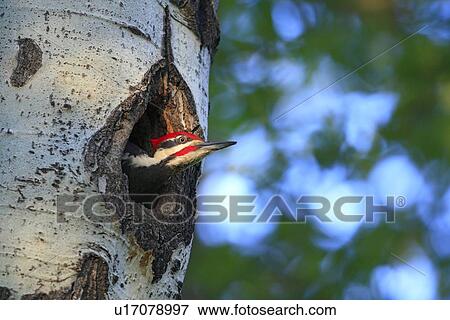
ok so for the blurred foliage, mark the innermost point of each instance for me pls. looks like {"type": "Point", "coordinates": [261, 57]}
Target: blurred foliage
{"type": "Point", "coordinates": [350, 33]}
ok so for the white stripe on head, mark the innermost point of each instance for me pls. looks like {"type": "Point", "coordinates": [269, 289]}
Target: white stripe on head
{"type": "Point", "coordinates": [161, 154]}
{"type": "Point", "coordinates": [189, 158]}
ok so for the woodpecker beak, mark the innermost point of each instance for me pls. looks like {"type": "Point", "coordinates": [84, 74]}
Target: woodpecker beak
{"type": "Point", "coordinates": [214, 146]}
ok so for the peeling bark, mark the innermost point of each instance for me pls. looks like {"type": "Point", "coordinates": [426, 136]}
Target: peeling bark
{"type": "Point", "coordinates": [63, 135]}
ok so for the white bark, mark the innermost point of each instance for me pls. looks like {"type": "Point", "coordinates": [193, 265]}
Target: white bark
{"type": "Point", "coordinates": [91, 55]}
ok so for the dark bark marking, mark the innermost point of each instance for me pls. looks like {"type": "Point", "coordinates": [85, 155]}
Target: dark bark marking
{"type": "Point", "coordinates": [208, 25]}
{"type": "Point", "coordinates": [29, 61]}
{"type": "Point", "coordinates": [136, 31]}
{"type": "Point", "coordinates": [92, 283]}
{"type": "Point", "coordinates": [177, 296]}
{"type": "Point", "coordinates": [160, 104]}
{"type": "Point", "coordinates": [167, 52]}
{"type": "Point", "coordinates": [176, 266]}
{"type": "Point", "coordinates": [132, 28]}
{"type": "Point", "coordinates": [201, 18]}
{"type": "Point", "coordinates": [5, 293]}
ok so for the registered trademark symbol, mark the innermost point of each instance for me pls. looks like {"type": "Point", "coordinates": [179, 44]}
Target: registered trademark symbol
{"type": "Point", "coordinates": [400, 201]}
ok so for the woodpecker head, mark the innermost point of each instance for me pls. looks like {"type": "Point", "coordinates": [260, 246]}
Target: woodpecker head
{"type": "Point", "coordinates": [181, 149]}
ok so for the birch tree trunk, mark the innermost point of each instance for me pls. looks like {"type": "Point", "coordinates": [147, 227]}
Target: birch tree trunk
{"type": "Point", "coordinates": [77, 77]}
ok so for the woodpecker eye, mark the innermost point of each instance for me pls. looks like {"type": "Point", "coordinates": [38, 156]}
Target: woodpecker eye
{"type": "Point", "coordinates": [181, 139]}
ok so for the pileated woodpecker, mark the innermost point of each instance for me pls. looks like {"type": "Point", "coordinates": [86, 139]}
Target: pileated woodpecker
{"type": "Point", "coordinates": [173, 153]}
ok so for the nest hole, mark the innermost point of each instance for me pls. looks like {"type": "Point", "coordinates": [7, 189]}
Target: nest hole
{"type": "Point", "coordinates": [149, 125]}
